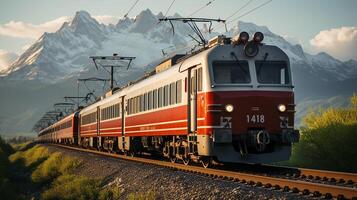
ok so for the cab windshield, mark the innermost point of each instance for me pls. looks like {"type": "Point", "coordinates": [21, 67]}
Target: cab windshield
{"type": "Point", "coordinates": [231, 72]}
{"type": "Point", "coordinates": [272, 72]}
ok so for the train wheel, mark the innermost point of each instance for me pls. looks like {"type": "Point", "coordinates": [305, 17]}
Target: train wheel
{"type": "Point", "coordinates": [132, 154]}
{"type": "Point", "coordinates": [186, 161]}
{"type": "Point", "coordinates": [206, 162]}
{"type": "Point", "coordinates": [173, 159]}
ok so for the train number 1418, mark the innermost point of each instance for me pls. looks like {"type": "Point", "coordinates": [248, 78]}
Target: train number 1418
{"type": "Point", "coordinates": [255, 119]}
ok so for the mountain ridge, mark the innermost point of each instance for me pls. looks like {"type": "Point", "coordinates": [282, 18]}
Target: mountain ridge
{"type": "Point", "coordinates": [50, 67]}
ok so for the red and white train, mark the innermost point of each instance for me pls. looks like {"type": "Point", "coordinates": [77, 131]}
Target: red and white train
{"type": "Point", "coordinates": [233, 101]}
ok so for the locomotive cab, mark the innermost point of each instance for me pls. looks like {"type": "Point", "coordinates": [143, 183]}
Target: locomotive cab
{"type": "Point", "coordinates": [249, 103]}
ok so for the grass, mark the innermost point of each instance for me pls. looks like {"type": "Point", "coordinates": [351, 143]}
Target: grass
{"type": "Point", "coordinates": [30, 158]}
{"type": "Point", "coordinates": [149, 195]}
{"type": "Point", "coordinates": [50, 174]}
{"type": "Point", "coordinates": [55, 165]}
{"type": "Point", "coordinates": [7, 188]}
{"type": "Point", "coordinates": [73, 187]}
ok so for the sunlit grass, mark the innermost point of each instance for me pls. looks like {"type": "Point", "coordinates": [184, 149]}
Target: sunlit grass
{"type": "Point", "coordinates": [73, 187]}
{"type": "Point", "coordinates": [149, 195]}
{"type": "Point", "coordinates": [57, 164]}
{"type": "Point", "coordinates": [30, 157]}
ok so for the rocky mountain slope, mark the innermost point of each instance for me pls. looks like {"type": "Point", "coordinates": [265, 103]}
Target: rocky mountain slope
{"type": "Point", "coordinates": [48, 70]}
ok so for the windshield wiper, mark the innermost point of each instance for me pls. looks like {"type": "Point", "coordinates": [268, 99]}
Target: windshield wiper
{"type": "Point", "coordinates": [262, 63]}
{"type": "Point", "coordinates": [238, 61]}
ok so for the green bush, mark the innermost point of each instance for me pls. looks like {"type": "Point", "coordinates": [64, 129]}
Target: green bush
{"type": "Point", "coordinates": [110, 193]}
{"type": "Point", "coordinates": [54, 166]}
{"type": "Point", "coordinates": [73, 187]}
{"type": "Point", "coordinates": [150, 195]}
{"type": "Point", "coordinates": [31, 157]}
{"type": "Point", "coordinates": [7, 188]}
{"type": "Point", "coordinates": [328, 140]}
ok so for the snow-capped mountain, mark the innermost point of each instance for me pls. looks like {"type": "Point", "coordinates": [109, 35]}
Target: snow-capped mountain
{"type": "Point", "coordinates": [6, 58]}
{"type": "Point", "coordinates": [64, 53]}
{"type": "Point", "coordinates": [62, 56]}
{"type": "Point", "coordinates": [58, 55]}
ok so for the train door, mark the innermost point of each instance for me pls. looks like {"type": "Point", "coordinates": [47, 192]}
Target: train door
{"type": "Point", "coordinates": [123, 142]}
{"type": "Point", "coordinates": [192, 108]}
{"type": "Point", "coordinates": [192, 100]}
{"type": "Point", "coordinates": [98, 140]}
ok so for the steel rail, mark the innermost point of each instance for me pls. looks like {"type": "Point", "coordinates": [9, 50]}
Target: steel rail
{"type": "Point", "coordinates": [320, 174]}
{"type": "Point", "coordinates": [258, 180]}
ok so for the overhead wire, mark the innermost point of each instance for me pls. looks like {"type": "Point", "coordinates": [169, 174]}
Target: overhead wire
{"type": "Point", "coordinates": [196, 11]}
{"type": "Point", "coordinates": [131, 8]}
{"type": "Point", "coordinates": [248, 12]}
{"type": "Point", "coordinates": [244, 14]}
{"type": "Point", "coordinates": [168, 9]}
{"type": "Point", "coordinates": [234, 13]}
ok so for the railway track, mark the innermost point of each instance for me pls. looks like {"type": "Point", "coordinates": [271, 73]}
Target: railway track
{"type": "Point", "coordinates": [285, 184]}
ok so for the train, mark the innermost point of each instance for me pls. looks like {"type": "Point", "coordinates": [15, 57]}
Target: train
{"type": "Point", "coordinates": [229, 102]}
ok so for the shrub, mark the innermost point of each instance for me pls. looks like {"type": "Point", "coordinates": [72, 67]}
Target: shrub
{"type": "Point", "coordinates": [329, 140]}
{"type": "Point", "coordinates": [31, 157]}
{"type": "Point", "coordinates": [150, 195]}
{"type": "Point", "coordinates": [7, 188]}
{"type": "Point", "coordinates": [110, 193]}
{"type": "Point", "coordinates": [73, 187]}
{"type": "Point", "coordinates": [54, 166]}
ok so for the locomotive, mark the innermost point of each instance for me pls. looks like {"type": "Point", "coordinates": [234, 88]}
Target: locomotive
{"type": "Point", "coordinates": [230, 102]}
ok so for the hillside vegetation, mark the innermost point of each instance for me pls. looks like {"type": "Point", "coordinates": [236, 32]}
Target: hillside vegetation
{"type": "Point", "coordinates": [328, 140]}
{"type": "Point", "coordinates": [30, 171]}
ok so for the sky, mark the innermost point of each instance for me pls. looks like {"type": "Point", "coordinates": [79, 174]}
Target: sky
{"type": "Point", "coordinates": [318, 25]}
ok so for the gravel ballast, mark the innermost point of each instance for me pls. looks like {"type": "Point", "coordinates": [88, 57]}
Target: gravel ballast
{"type": "Point", "coordinates": [165, 183]}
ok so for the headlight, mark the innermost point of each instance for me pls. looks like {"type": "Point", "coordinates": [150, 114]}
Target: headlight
{"type": "Point", "coordinates": [258, 37]}
{"type": "Point", "coordinates": [282, 108]}
{"type": "Point", "coordinates": [229, 108]}
{"type": "Point", "coordinates": [251, 49]}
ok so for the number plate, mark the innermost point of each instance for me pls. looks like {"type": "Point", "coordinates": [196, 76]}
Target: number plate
{"type": "Point", "coordinates": [255, 119]}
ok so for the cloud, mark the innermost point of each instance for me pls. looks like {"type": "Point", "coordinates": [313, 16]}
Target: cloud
{"type": "Point", "coordinates": [20, 29]}
{"type": "Point", "coordinates": [339, 42]}
{"type": "Point", "coordinates": [106, 19]}
{"type": "Point", "coordinates": [6, 58]}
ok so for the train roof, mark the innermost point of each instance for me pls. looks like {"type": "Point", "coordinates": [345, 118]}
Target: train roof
{"type": "Point", "coordinates": [180, 63]}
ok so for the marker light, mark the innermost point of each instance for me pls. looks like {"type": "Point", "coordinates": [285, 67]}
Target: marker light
{"type": "Point", "coordinates": [243, 37]}
{"type": "Point", "coordinates": [229, 108]}
{"type": "Point", "coordinates": [258, 37]}
{"type": "Point", "coordinates": [281, 107]}
{"type": "Point", "coordinates": [251, 49]}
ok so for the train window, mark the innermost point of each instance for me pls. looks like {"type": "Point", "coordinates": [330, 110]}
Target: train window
{"type": "Point", "coordinates": [160, 96]}
{"type": "Point", "coordinates": [150, 100]}
{"type": "Point", "coordinates": [112, 112]}
{"type": "Point", "coordinates": [138, 104]}
{"type": "Point", "coordinates": [228, 72]}
{"type": "Point", "coordinates": [134, 105]}
{"type": "Point", "coordinates": [154, 93]}
{"type": "Point", "coordinates": [129, 106]}
{"type": "Point", "coordinates": [142, 103]}
{"type": "Point", "coordinates": [117, 109]}
{"type": "Point", "coordinates": [272, 72]}
{"type": "Point", "coordinates": [178, 91]}
{"type": "Point", "coordinates": [166, 95]}
{"type": "Point", "coordinates": [199, 79]}
{"type": "Point", "coordinates": [172, 93]}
